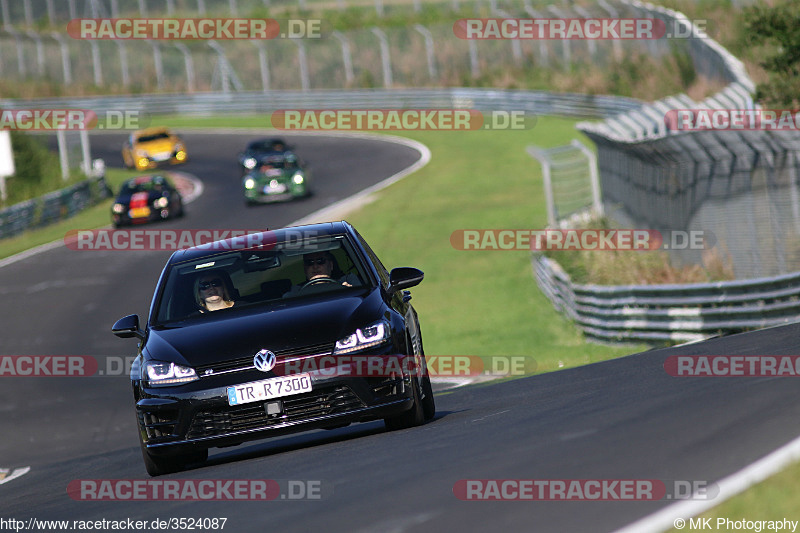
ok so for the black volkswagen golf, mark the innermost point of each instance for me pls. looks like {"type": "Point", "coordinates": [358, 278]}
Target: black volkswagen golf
{"type": "Point", "coordinates": [274, 333]}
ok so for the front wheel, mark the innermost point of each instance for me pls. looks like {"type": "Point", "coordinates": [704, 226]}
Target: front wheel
{"type": "Point", "coordinates": [157, 465]}
{"type": "Point", "coordinates": [414, 416]}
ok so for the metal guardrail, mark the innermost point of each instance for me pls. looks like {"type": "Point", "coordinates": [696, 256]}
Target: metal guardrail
{"type": "Point", "coordinates": [652, 313]}
{"type": "Point", "coordinates": [255, 102]}
{"type": "Point", "coordinates": [52, 207]}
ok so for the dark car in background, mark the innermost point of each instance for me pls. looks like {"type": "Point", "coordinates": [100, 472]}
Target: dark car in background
{"type": "Point", "coordinates": [252, 155]}
{"type": "Point", "coordinates": [146, 199]}
{"type": "Point", "coordinates": [270, 336]}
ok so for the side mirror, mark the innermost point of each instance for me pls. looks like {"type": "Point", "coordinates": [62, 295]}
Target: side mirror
{"type": "Point", "coordinates": [127, 327]}
{"type": "Point", "coordinates": [404, 277]}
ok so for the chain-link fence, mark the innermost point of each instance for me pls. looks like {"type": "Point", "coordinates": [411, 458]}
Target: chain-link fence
{"type": "Point", "coordinates": [395, 56]}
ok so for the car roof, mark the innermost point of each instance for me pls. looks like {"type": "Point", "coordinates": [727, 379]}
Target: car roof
{"type": "Point", "coordinates": [288, 234]}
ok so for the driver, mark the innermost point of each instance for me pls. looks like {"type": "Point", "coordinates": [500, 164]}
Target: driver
{"type": "Point", "coordinates": [321, 266]}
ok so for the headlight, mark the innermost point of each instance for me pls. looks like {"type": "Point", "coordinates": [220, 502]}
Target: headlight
{"type": "Point", "coordinates": [363, 338]}
{"type": "Point", "coordinates": [249, 183]}
{"type": "Point", "coordinates": [164, 374]}
{"type": "Point", "coordinates": [250, 163]}
{"type": "Point", "coordinates": [118, 208]}
{"type": "Point", "coordinates": [297, 178]}
{"type": "Point", "coordinates": [161, 203]}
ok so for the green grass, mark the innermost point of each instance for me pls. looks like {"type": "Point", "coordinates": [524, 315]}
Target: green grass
{"type": "Point", "coordinates": [772, 499]}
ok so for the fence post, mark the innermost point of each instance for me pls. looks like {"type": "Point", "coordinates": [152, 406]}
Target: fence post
{"type": "Point", "coordinates": [566, 45]}
{"type": "Point", "coordinates": [347, 59]}
{"type": "Point", "coordinates": [63, 159]}
{"type": "Point", "coordinates": [158, 63]}
{"type": "Point", "coordinates": [143, 8]}
{"type": "Point", "coordinates": [594, 177]}
{"type": "Point", "coordinates": [302, 59]}
{"type": "Point", "coordinates": [543, 51]}
{"type": "Point", "coordinates": [189, 64]}
{"type": "Point", "coordinates": [98, 67]}
{"type": "Point", "coordinates": [617, 46]}
{"type": "Point", "coordinates": [263, 64]}
{"type": "Point", "coordinates": [428, 49]}
{"type": "Point", "coordinates": [28, 13]}
{"type": "Point", "coordinates": [385, 57]}
{"type": "Point", "coordinates": [65, 65]}
{"type": "Point", "coordinates": [541, 156]}
{"type": "Point", "coordinates": [123, 62]}
{"type": "Point", "coordinates": [39, 52]}
{"type": "Point", "coordinates": [474, 65]}
{"type": "Point", "coordinates": [86, 152]}
{"type": "Point", "coordinates": [51, 12]}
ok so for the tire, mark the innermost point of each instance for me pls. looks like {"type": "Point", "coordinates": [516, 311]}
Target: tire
{"type": "Point", "coordinates": [428, 402]}
{"type": "Point", "coordinates": [411, 418]}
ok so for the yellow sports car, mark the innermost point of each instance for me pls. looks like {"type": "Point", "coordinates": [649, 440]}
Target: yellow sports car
{"type": "Point", "coordinates": [149, 147]}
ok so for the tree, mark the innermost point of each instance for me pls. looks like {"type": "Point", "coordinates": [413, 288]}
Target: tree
{"type": "Point", "coordinates": [777, 26]}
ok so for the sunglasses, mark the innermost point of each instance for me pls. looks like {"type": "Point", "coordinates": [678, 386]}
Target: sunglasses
{"type": "Point", "coordinates": [318, 261]}
{"type": "Point", "coordinates": [205, 285]}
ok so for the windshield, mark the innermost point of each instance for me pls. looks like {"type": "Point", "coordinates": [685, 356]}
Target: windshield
{"type": "Point", "coordinates": [135, 185]}
{"type": "Point", "coordinates": [259, 278]}
{"type": "Point", "coordinates": [153, 137]}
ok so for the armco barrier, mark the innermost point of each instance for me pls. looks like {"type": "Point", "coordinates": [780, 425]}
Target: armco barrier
{"type": "Point", "coordinates": [664, 313]}
{"type": "Point", "coordinates": [52, 207]}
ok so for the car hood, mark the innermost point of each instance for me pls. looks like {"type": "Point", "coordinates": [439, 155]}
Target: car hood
{"type": "Point", "coordinates": [161, 145]}
{"type": "Point", "coordinates": [243, 332]}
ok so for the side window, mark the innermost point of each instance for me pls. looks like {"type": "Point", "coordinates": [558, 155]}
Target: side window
{"type": "Point", "coordinates": [382, 273]}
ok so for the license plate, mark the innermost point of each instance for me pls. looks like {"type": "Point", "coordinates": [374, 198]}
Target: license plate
{"type": "Point", "coordinates": [139, 212]}
{"type": "Point", "coordinates": [266, 389]}
{"type": "Point", "coordinates": [278, 189]}
{"type": "Point", "coordinates": [161, 157]}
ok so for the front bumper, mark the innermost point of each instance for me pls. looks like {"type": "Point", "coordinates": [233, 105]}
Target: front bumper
{"type": "Point", "coordinates": [200, 416]}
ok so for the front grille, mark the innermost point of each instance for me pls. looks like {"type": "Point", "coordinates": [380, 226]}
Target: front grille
{"type": "Point", "coordinates": [241, 364]}
{"type": "Point", "coordinates": [325, 401]}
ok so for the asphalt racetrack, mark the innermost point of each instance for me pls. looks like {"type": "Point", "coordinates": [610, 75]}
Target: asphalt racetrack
{"type": "Point", "coordinates": [625, 419]}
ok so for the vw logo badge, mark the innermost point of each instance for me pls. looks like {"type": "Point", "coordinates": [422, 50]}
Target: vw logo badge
{"type": "Point", "coordinates": [264, 361]}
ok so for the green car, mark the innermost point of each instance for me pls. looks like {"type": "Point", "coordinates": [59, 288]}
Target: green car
{"type": "Point", "coordinates": [277, 177]}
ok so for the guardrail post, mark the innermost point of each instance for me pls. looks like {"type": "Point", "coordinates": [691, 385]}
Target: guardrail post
{"type": "Point", "coordinates": [86, 152]}
{"type": "Point", "coordinates": [158, 63]}
{"type": "Point", "coordinates": [385, 57]}
{"type": "Point", "coordinates": [63, 159]}
{"type": "Point", "coordinates": [347, 58]}
{"type": "Point", "coordinates": [429, 50]}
